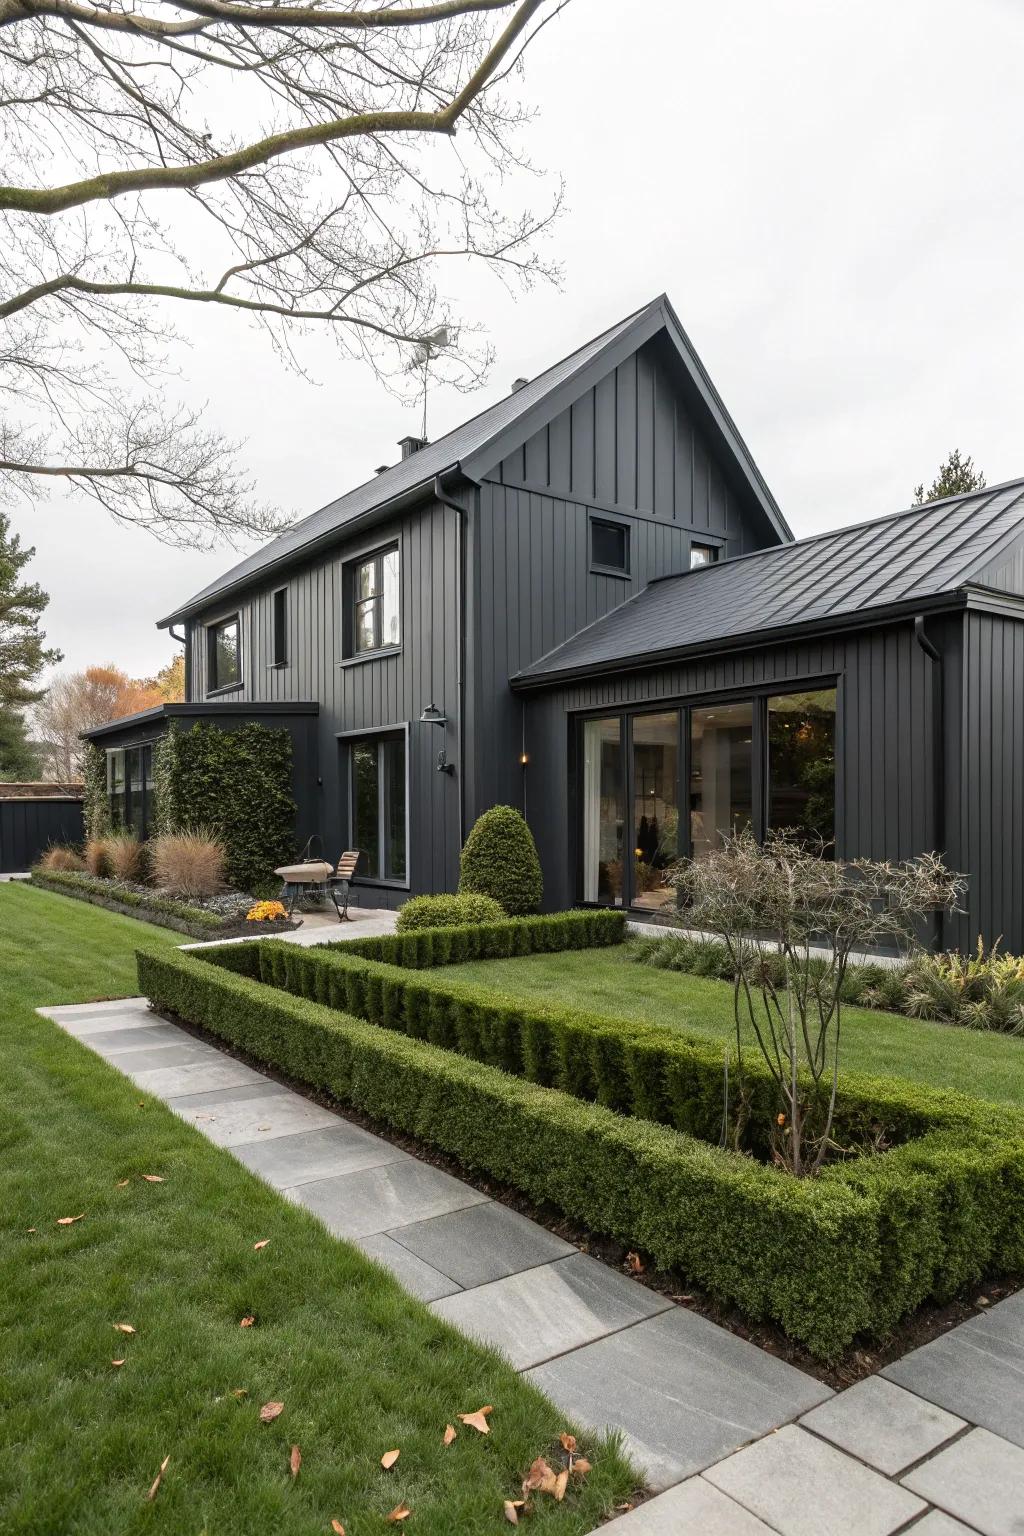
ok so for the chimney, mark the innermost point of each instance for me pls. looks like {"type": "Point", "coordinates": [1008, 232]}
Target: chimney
{"type": "Point", "coordinates": [517, 385]}
{"type": "Point", "coordinates": [411, 445]}
{"type": "Point", "coordinates": [381, 468]}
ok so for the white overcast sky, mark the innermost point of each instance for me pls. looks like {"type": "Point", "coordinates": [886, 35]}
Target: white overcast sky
{"type": "Point", "coordinates": [833, 199]}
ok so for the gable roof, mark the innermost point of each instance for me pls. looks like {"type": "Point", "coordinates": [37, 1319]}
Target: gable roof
{"type": "Point", "coordinates": [480, 443]}
{"type": "Point", "coordinates": [908, 558]}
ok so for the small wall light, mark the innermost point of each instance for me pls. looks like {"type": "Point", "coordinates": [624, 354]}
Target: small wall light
{"type": "Point", "coordinates": [523, 758]}
{"type": "Point", "coordinates": [433, 716]}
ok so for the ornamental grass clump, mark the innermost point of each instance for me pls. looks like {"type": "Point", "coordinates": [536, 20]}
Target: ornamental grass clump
{"type": "Point", "coordinates": [127, 858]}
{"type": "Point", "coordinates": [58, 859]}
{"type": "Point", "coordinates": [980, 991]}
{"type": "Point", "coordinates": [782, 903]}
{"type": "Point", "coordinates": [188, 863]}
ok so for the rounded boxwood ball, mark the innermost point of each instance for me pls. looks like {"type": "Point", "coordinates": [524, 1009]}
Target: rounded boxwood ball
{"type": "Point", "coordinates": [500, 860]}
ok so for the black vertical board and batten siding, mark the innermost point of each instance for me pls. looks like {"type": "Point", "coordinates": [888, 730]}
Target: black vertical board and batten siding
{"type": "Point", "coordinates": [29, 826]}
{"type": "Point", "coordinates": [388, 690]}
{"type": "Point", "coordinates": [885, 780]}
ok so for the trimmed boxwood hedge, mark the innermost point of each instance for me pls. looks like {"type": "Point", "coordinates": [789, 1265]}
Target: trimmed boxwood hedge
{"type": "Point", "coordinates": [635, 1068]}
{"type": "Point", "coordinates": [846, 1253]}
{"type": "Point", "coordinates": [425, 947]}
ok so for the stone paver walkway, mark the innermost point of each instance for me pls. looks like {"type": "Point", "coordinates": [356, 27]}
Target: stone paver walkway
{"type": "Point", "coordinates": [742, 1443]}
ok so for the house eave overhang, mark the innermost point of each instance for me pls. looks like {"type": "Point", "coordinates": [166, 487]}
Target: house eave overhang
{"type": "Point", "coordinates": [204, 709]}
{"type": "Point", "coordinates": [759, 639]}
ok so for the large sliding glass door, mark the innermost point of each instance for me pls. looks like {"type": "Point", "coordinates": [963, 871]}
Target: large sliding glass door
{"type": "Point", "coordinates": [655, 786]}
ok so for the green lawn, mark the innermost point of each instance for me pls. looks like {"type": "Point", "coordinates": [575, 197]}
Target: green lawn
{"type": "Point", "coordinates": [360, 1367]}
{"type": "Point", "coordinates": [607, 981]}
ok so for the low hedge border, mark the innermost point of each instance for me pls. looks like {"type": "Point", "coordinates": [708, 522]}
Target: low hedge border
{"type": "Point", "coordinates": [634, 1068]}
{"type": "Point", "coordinates": [422, 948]}
{"type": "Point", "coordinates": [195, 922]}
{"type": "Point", "coordinates": [849, 1252]}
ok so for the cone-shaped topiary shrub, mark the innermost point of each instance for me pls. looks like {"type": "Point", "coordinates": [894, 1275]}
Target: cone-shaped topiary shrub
{"type": "Point", "coordinates": [500, 860]}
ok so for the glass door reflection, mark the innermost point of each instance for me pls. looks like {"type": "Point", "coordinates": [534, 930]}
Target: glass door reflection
{"type": "Point", "coordinates": [655, 826]}
{"type": "Point", "coordinates": [604, 811]}
{"type": "Point", "coordinates": [721, 777]}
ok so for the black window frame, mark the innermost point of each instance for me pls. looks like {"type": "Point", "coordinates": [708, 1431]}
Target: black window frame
{"type": "Point", "coordinates": [759, 696]}
{"type": "Point", "coordinates": [348, 741]}
{"type": "Point", "coordinates": [279, 622]}
{"type": "Point", "coordinates": [713, 549]}
{"type": "Point", "coordinates": [353, 603]}
{"type": "Point", "coordinates": [137, 789]}
{"type": "Point", "coordinates": [212, 631]}
{"type": "Point", "coordinates": [621, 528]}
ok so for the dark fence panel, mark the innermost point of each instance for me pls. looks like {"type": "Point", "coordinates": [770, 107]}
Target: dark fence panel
{"type": "Point", "coordinates": [28, 827]}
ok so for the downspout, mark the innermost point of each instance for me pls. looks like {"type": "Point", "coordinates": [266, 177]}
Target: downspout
{"type": "Point", "coordinates": [938, 756]}
{"type": "Point", "coordinates": [460, 663]}
{"type": "Point", "coordinates": [184, 640]}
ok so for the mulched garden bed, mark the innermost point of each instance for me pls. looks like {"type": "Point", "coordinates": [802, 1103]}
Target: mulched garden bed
{"type": "Point", "coordinates": [860, 1360]}
{"type": "Point", "coordinates": [217, 917]}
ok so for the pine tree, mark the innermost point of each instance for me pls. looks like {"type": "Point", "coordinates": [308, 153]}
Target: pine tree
{"type": "Point", "coordinates": [956, 477]}
{"type": "Point", "coordinates": [23, 653]}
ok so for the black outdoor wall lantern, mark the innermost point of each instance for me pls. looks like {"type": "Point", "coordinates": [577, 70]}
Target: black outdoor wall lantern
{"type": "Point", "coordinates": [433, 716]}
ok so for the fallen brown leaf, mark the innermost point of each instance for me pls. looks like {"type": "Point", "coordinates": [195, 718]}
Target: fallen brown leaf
{"type": "Point", "coordinates": [449, 1434]}
{"type": "Point", "coordinates": [337, 1528]}
{"type": "Point", "coordinates": [124, 1327]}
{"type": "Point", "coordinates": [512, 1508]}
{"type": "Point", "coordinates": [477, 1420]}
{"type": "Point", "coordinates": [295, 1461]}
{"type": "Point", "coordinates": [540, 1478]}
{"type": "Point", "coordinates": [153, 1178]}
{"type": "Point", "coordinates": [388, 1460]}
{"type": "Point", "coordinates": [634, 1263]}
{"type": "Point", "coordinates": [247, 1322]}
{"type": "Point", "coordinates": [239, 1392]}
{"type": "Point", "coordinates": [261, 1244]}
{"type": "Point", "coordinates": [117, 1362]}
{"type": "Point", "coordinates": [568, 1442]}
{"type": "Point", "coordinates": [580, 1467]}
{"type": "Point", "coordinates": [122, 1183]}
{"type": "Point", "coordinates": [30, 1229]}
{"type": "Point", "coordinates": [270, 1411]}
{"type": "Point", "coordinates": [400, 1512]}
{"type": "Point", "coordinates": [65, 1221]}
{"type": "Point", "coordinates": [561, 1484]}
{"type": "Point", "coordinates": [151, 1495]}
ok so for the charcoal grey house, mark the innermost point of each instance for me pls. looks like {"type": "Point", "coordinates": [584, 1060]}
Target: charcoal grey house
{"type": "Point", "coordinates": [585, 602]}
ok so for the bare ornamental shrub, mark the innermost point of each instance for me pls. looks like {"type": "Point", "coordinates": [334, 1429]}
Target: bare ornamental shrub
{"type": "Point", "coordinates": [58, 858]}
{"type": "Point", "coordinates": [188, 863]}
{"type": "Point", "coordinates": [126, 857]}
{"type": "Point", "coordinates": [781, 901]}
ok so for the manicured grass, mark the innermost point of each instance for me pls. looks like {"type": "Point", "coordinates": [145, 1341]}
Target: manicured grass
{"type": "Point", "coordinates": [882, 1044]}
{"type": "Point", "coordinates": [361, 1368]}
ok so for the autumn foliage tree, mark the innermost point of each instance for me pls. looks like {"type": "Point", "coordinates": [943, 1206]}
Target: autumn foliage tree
{"type": "Point", "coordinates": [78, 701]}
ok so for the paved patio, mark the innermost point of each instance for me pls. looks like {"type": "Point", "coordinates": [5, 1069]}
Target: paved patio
{"type": "Point", "coordinates": [741, 1443]}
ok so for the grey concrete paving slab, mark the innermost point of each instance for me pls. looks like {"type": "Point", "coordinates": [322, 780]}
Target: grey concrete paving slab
{"type": "Point", "coordinates": [233, 1117]}
{"type": "Point", "coordinates": [883, 1424]}
{"type": "Point", "coordinates": [421, 1279]}
{"type": "Point", "coordinates": [77, 1018]}
{"type": "Point", "coordinates": [683, 1391]}
{"type": "Point", "coordinates": [547, 1311]}
{"type": "Point", "coordinates": [979, 1479]}
{"type": "Point", "coordinates": [696, 1507]}
{"type": "Point", "coordinates": [975, 1371]}
{"type": "Point", "coordinates": [482, 1243]}
{"type": "Point", "coordinates": [801, 1486]}
{"type": "Point", "coordinates": [186, 1052]}
{"type": "Point", "coordinates": [936, 1523]}
{"type": "Point", "coordinates": [135, 1037]}
{"type": "Point", "coordinates": [199, 1077]}
{"type": "Point", "coordinates": [307, 1155]}
{"type": "Point", "coordinates": [377, 1199]}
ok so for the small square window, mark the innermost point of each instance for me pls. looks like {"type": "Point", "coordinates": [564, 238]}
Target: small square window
{"type": "Point", "coordinates": [224, 654]}
{"type": "Point", "coordinates": [702, 554]}
{"type": "Point", "coordinates": [609, 546]}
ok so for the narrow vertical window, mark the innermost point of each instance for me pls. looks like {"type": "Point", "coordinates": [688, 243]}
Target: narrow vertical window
{"type": "Point", "coordinates": [721, 773]}
{"type": "Point", "coordinates": [655, 810]}
{"type": "Point", "coordinates": [281, 627]}
{"type": "Point", "coordinates": [604, 811]}
{"type": "Point", "coordinates": [376, 622]}
{"type": "Point", "coordinates": [224, 654]}
{"type": "Point", "coordinates": [802, 765]}
{"type": "Point", "coordinates": [377, 776]}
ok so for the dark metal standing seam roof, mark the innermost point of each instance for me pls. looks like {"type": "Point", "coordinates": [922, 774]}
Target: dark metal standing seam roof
{"type": "Point", "coordinates": [417, 472]}
{"type": "Point", "coordinates": [918, 554]}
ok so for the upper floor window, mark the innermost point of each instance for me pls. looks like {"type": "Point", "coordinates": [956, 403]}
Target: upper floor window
{"type": "Point", "coordinates": [281, 627]}
{"type": "Point", "coordinates": [702, 554]}
{"type": "Point", "coordinates": [376, 617]}
{"type": "Point", "coordinates": [224, 654]}
{"type": "Point", "coordinates": [609, 546]}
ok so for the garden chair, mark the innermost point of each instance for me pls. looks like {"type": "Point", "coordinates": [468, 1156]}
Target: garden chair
{"type": "Point", "coordinates": [339, 884]}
